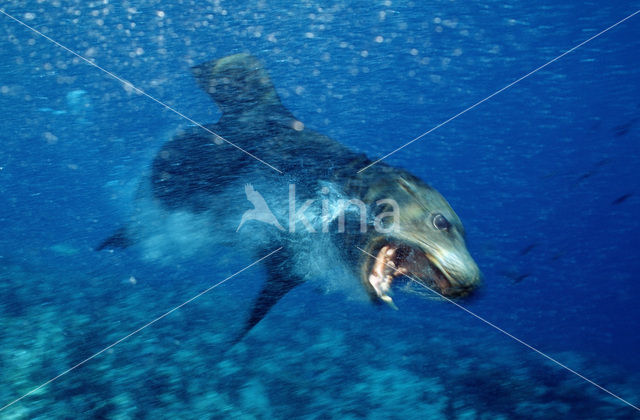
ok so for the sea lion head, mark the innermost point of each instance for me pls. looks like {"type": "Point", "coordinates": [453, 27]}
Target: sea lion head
{"type": "Point", "coordinates": [426, 243]}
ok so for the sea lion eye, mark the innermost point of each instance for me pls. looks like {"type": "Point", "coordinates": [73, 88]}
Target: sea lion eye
{"type": "Point", "coordinates": [440, 222]}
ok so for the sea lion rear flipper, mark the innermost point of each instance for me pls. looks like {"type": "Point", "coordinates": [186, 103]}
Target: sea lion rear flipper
{"type": "Point", "coordinates": [237, 83]}
{"type": "Point", "coordinates": [279, 282]}
{"type": "Point", "coordinates": [120, 239]}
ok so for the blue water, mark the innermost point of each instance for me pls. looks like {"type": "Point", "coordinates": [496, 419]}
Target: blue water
{"type": "Point", "coordinates": [538, 174]}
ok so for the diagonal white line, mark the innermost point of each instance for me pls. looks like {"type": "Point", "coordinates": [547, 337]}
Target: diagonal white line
{"type": "Point", "coordinates": [140, 91]}
{"type": "Point", "coordinates": [500, 91]}
{"type": "Point", "coordinates": [138, 330]}
{"type": "Point", "coordinates": [508, 334]}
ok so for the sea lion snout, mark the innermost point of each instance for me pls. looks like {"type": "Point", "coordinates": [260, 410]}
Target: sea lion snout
{"type": "Point", "coordinates": [460, 270]}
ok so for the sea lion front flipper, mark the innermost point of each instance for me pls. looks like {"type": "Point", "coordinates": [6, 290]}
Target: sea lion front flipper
{"type": "Point", "coordinates": [279, 282]}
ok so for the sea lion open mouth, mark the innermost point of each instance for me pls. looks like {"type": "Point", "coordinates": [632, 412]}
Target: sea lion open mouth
{"type": "Point", "coordinates": [395, 260]}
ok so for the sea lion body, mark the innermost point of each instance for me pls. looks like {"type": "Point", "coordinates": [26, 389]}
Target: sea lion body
{"type": "Point", "coordinates": [334, 223]}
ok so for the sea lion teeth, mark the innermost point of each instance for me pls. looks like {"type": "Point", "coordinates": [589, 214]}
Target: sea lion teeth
{"type": "Point", "coordinates": [382, 285]}
{"type": "Point", "coordinates": [387, 299]}
{"type": "Point", "coordinates": [382, 274]}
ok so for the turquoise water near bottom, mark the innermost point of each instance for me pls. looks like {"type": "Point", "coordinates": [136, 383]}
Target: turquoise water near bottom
{"type": "Point", "coordinates": [314, 356]}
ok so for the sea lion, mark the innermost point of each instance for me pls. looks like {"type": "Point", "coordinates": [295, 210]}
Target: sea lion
{"type": "Point", "coordinates": [371, 227]}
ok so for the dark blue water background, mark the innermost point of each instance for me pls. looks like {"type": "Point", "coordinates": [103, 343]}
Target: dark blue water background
{"type": "Point", "coordinates": [537, 166]}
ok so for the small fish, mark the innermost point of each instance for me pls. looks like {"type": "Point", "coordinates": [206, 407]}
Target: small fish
{"type": "Point", "coordinates": [598, 164]}
{"type": "Point", "coordinates": [521, 277]}
{"type": "Point", "coordinates": [528, 248]}
{"type": "Point", "coordinates": [622, 129]}
{"type": "Point", "coordinates": [515, 276]}
{"type": "Point", "coordinates": [586, 175]}
{"type": "Point", "coordinates": [621, 199]}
